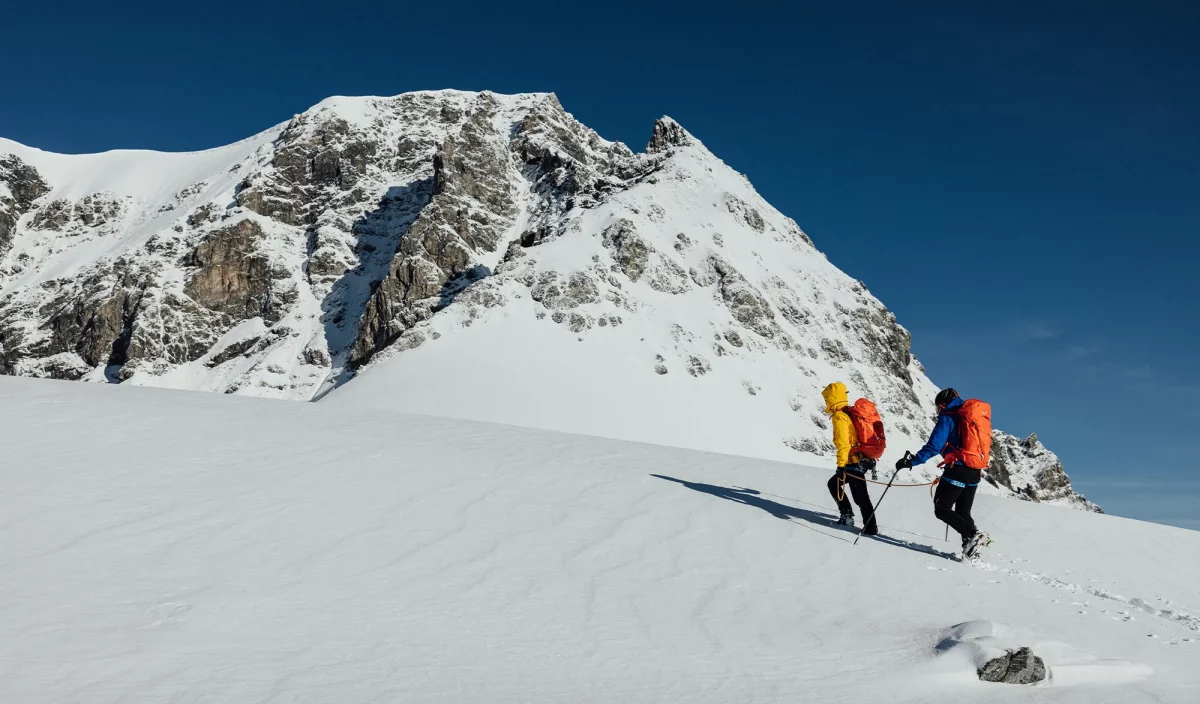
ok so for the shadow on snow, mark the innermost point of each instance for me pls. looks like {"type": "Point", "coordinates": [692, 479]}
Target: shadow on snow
{"type": "Point", "coordinates": [752, 497]}
{"type": "Point", "coordinates": [377, 237]}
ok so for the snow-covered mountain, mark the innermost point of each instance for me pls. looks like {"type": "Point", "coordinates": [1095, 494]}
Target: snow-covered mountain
{"type": "Point", "coordinates": [464, 254]}
{"type": "Point", "coordinates": [163, 546]}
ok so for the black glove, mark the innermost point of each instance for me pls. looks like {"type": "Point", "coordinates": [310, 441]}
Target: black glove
{"type": "Point", "coordinates": [904, 462]}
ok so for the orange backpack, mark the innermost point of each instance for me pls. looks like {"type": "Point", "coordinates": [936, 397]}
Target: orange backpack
{"type": "Point", "coordinates": [974, 424]}
{"type": "Point", "coordinates": [869, 428]}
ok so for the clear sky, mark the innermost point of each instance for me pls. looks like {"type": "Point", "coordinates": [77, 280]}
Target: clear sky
{"type": "Point", "coordinates": [1020, 184]}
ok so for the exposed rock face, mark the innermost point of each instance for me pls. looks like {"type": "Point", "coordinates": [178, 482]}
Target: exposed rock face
{"type": "Point", "coordinates": [366, 227]}
{"type": "Point", "coordinates": [473, 203]}
{"type": "Point", "coordinates": [89, 328]}
{"type": "Point", "coordinates": [481, 174]}
{"type": "Point", "coordinates": [1019, 666]}
{"type": "Point", "coordinates": [20, 186]}
{"type": "Point", "coordinates": [73, 217]}
{"type": "Point", "coordinates": [668, 133]}
{"type": "Point", "coordinates": [556, 293]}
{"type": "Point", "coordinates": [743, 301]}
{"type": "Point", "coordinates": [630, 251]}
{"type": "Point", "coordinates": [313, 155]}
{"type": "Point", "coordinates": [85, 326]}
{"type": "Point", "coordinates": [1032, 472]}
{"type": "Point", "coordinates": [232, 277]}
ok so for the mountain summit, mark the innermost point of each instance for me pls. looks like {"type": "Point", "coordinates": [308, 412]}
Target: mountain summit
{"type": "Point", "coordinates": [465, 254]}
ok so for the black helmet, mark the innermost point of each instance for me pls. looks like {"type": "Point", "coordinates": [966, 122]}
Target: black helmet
{"type": "Point", "coordinates": [944, 397]}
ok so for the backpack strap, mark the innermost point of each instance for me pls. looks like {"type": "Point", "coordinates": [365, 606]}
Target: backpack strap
{"type": "Point", "coordinates": [951, 452]}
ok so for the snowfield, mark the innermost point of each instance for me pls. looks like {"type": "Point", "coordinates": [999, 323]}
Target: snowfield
{"type": "Point", "coordinates": [161, 546]}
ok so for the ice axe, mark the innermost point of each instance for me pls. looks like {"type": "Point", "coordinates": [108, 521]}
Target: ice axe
{"type": "Point", "coordinates": [867, 521]}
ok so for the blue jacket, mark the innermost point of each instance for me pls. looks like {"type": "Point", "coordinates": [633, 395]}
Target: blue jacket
{"type": "Point", "coordinates": [943, 431]}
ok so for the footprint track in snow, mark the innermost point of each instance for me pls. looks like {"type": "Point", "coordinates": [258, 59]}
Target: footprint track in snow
{"type": "Point", "coordinates": [1186, 618]}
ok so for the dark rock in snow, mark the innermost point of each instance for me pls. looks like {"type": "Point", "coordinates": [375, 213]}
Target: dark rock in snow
{"type": "Point", "coordinates": [1019, 666]}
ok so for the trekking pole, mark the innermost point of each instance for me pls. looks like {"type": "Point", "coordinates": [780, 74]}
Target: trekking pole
{"type": "Point", "coordinates": [875, 509]}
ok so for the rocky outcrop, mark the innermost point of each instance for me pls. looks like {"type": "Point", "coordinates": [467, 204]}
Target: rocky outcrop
{"type": "Point", "coordinates": [1032, 472]}
{"type": "Point", "coordinates": [568, 165]}
{"type": "Point", "coordinates": [667, 134]}
{"type": "Point", "coordinates": [479, 174]}
{"type": "Point", "coordinates": [1018, 666]}
{"type": "Point", "coordinates": [74, 217]}
{"type": "Point", "coordinates": [629, 251]}
{"type": "Point", "coordinates": [232, 276]}
{"type": "Point", "coordinates": [20, 186]}
{"type": "Point", "coordinates": [887, 344]}
{"type": "Point", "coordinates": [744, 302]}
{"type": "Point", "coordinates": [170, 329]}
{"type": "Point", "coordinates": [91, 329]}
{"type": "Point", "coordinates": [556, 294]}
{"type": "Point", "coordinates": [473, 203]}
{"type": "Point", "coordinates": [86, 325]}
{"type": "Point", "coordinates": [635, 258]}
{"type": "Point", "coordinates": [22, 181]}
{"type": "Point", "coordinates": [316, 158]}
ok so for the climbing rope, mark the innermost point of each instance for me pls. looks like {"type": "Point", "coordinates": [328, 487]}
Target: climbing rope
{"type": "Point", "coordinates": [842, 475]}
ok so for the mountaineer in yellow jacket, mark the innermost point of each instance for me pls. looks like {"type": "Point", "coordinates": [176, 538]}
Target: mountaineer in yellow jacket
{"type": "Point", "coordinates": [851, 466]}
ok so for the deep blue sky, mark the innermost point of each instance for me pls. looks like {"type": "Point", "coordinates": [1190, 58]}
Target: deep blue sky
{"type": "Point", "coordinates": [1021, 185]}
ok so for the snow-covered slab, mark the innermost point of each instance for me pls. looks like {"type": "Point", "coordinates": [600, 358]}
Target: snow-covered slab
{"type": "Point", "coordinates": [166, 546]}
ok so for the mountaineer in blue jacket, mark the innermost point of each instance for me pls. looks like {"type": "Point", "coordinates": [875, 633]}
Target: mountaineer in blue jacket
{"type": "Point", "coordinates": [956, 488]}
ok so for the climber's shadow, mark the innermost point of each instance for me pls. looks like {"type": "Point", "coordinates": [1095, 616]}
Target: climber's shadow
{"type": "Point", "coordinates": [751, 497]}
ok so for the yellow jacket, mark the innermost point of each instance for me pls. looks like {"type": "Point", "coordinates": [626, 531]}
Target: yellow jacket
{"type": "Point", "coordinates": [844, 437]}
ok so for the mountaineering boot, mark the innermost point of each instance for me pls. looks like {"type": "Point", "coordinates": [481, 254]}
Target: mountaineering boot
{"type": "Point", "coordinates": [974, 544]}
{"type": "Point", "coordinates": [847, 519]}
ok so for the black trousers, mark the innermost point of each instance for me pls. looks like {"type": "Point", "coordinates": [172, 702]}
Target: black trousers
{"type": "Point", "coordinates": [849, 480]}
{"type": "Point", "coordinates": [952, 503]}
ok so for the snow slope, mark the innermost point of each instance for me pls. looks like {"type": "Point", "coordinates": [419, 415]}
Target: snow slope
{"type": "Point", "coordinates": [164, 546]}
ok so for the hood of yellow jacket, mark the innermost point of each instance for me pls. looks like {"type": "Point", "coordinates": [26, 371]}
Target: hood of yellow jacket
{"type": "Point", "coordinates": [836, 397]}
